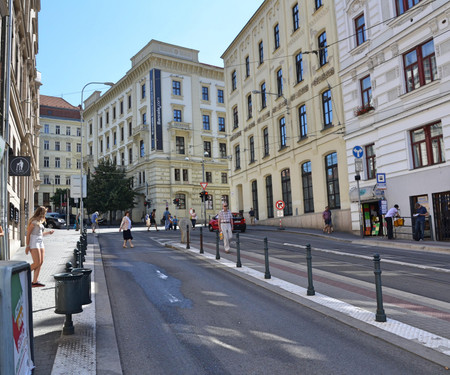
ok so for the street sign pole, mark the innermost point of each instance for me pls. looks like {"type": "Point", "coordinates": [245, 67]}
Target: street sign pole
{"type": "Point", "coordinates": [359, 168]}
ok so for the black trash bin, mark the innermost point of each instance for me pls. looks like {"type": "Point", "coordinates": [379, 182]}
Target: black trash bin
{"type": "Point", "coordinates": [68, 293]}
{"type": "Point", "coordinates": [85, 285]}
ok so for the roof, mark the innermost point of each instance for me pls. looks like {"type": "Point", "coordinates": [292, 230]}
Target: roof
{"type": "Point", "coordinates": [52, 106]}
{"type": "Point", "coordinates": [53, 101]}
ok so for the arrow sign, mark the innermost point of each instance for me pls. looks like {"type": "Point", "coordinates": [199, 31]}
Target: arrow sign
{"type": "Point", "coordinates": [358, 152]}
{"type": "Point", "coordinates": [279, 205]}
{"type": "Point", "coordinates": [204, 185]}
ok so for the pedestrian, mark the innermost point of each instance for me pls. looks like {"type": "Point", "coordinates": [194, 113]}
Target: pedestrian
{"type": "Point", "coordinates": [326, 215]}
{"type": "Point", "coordinates": [77, 221]}
{"type": "Point", "coordinates": [35, 242]}
{"type": "Point", "coordinates": [166, 216]}
{"type": "Point", "coordinates": [193, 219]}
{"type": "Point", "coordinates": [175, 223]}
{"type": "Point", "coordinates": [170, 222]}
{"type": "Point", "coordinates": [252, 216]}
{"type": "Point", "coordinates": [419, 227]}
{"type": "Point", "coordinates": [147, 222]}
{"type": "Point", "coordinates": [226, 226]}
{"type": "Point", "coordinates": [125, 226]}
{"type": "Point", "coordinates": [94, 221]}
{"type": "Point", "coordinates": [1, 231]}
{"type": "Point", "coordinates": [153, 219]}
{"type": "Point", "coordinates": [389, 217]}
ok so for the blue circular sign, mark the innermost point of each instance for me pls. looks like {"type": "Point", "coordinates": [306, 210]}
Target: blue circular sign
{"type": "Point", "coordinates": [358, 152]}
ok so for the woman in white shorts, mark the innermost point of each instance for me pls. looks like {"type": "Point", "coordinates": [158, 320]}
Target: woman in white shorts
{"type": "Point", "coordinates": [35, 242]}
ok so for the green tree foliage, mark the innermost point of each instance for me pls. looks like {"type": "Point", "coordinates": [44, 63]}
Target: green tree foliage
{"type": "Point", "coordinates": [60, 196]}
{"type": "Point", "coordinates": [109, 189]}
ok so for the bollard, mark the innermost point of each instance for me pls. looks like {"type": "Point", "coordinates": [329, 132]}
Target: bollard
{"type": "Point", "coordinates": [201, 240]}
{"type": "Point", "coordinates": [69, 267]}
{"type": "Point", "coordinates": [266, 259]}
{"type": "Point", "coordinates": [217, 245]}
{"type": "Point", "coordinates": [380, 316]}
{"type": "Point", "coordinates": [238, 251]}
{"type": "Point", "coordinates": [187, 237]}
{"type": "Point", "coordinates": [311, 291]}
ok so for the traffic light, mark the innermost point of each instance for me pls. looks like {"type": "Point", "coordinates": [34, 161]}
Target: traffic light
{"type": "Point", "coordinates": [205, 194]}
{"type": "Point", "coordinates": [201, 195]}
{"type": "Point", "coordinates": [176, 202]}
{"type": "Point", "coordinates": [145, 203]}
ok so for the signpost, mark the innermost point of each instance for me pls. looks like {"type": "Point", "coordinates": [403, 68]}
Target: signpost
{"type": "Point", "coordinates": [358, 153]}
{"type": "Point", "coordinates": [280, 207]}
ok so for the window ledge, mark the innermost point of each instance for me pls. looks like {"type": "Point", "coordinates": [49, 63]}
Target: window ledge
{"type": "Point", "coordinates": [302, 139]}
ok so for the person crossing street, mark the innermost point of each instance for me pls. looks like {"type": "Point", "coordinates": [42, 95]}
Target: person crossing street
{"type": "Point", "coordinates": [226, 226]}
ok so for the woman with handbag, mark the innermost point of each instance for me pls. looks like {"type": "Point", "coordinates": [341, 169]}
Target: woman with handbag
{"type": "Point", "coordinates": [125, 226]}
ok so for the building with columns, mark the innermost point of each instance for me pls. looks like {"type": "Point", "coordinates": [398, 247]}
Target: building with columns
{"type": "Point", "coordinates": [285, 112]}
{"type": "Point", "coordinates": [164, 122]}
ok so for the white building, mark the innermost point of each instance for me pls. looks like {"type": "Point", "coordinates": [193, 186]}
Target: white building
{"type": "Point", "coordinates": [395, 72]}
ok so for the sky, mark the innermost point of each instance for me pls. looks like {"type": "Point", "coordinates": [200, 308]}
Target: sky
{"type": "Point", "coordinates": [93, 40]}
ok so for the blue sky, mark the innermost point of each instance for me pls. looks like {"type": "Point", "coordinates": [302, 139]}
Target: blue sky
{"type": "Point", "coordinates": [93, 40]}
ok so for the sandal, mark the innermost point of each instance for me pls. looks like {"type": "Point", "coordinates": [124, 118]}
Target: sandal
{"type": "Point", "coordinates": [37, 284]}
{"type": "Point", "coordinates": [124, 246]}
{"type": "Point", "coordinates": [131, 245]}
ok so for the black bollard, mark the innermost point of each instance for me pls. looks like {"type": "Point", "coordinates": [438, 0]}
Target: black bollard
{"type": "Point", "coordinates": [201, 240]}
{"type": "Point", "coordinates": [238, 251]}
{"type": "Point", "coordinates": [187, 237]}
{"type": "Point", "coordinates": [311, 291]}
{"type": "Point", "coordinates": [380, 316]}
{"type": "Point", "coordinates": [217, 245]}
{"type": "Point", "coordinates": [68, 328]}
{"type": "Point", "coordinates": [266, 258]}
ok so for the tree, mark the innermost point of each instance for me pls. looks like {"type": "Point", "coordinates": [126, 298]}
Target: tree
{"type": "Point", "coordinates": [60, 196]}
{"type": "Point", "coordinates": [109, 189]}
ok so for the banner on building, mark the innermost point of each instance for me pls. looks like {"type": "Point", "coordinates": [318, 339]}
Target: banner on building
{"type": "Point", "coordinates": [156, 109]}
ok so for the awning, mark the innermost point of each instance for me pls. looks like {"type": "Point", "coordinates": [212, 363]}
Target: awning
{"type": "Point", "coordinates": [366, 193]}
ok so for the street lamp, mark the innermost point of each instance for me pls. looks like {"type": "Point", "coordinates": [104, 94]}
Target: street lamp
{"type": "Point", "coordinates": [272, 93]}
{"type": "Point", "coordinates": [205, 154]}
{"type": "Point", "coordinates": [81, 133]}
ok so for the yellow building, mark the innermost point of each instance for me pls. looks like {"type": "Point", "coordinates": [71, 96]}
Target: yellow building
{"type": "Point", "coordinates": [285, 111]}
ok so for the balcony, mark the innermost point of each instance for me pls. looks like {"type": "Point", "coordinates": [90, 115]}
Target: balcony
{"type": "Point", "coordinates": [140, 129]}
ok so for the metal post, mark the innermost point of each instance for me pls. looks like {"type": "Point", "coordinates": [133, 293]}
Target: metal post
{"type": "Point", "coordinates": [217, 245]}
{"type": "Point", "coordinates": [380, 316]}
{"type": "Point", "coordinates": [201, 240]}
{"type": "Point", "coordinates": [187, 237]}
{"type": "Point", "coordinates": [266, 259]}
{"type": "Point", "coordinates": [238, 251]}
{"type": "Point", "coordinates": [204, 200]}
{"type": "Point", "coordinates": [361, 229]}
{"type": "Point", "coordinates": [311, 291]}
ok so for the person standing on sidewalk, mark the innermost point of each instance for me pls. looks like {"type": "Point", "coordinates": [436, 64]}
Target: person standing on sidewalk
{"type": "Point", "coordinates": [252, 216]}
{"type": "Point", "coordinates": [419, 227]}
{"type": "Point", "coordinates": [193, 219]}
{"type": "Point", "coordinates": [326, 215]}
{"type": "Point", "coordinates": [35, 242]}
{"type": "Point", "coordinates": [153, 219]}
{"type": "Point", "coordinates": [226, 226]}
{"type": "Point", "coordinates": [393, 212]}
{"type": "Point", "coordinates": [125, 226]}
{"type": "Point", "coordinates": [94, 220]}
{"type": "Point", "coordinates": [166, 216]}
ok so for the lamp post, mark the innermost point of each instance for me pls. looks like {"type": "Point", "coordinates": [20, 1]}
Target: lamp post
{"type": "Point", "coordinates": [203, 176]}
{"type": "Point", "coordinates": [81, 158]}
{"type": "Point", "coordinates": [273, 93]}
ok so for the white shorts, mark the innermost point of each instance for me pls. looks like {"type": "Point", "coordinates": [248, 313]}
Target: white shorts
{"type": "Point", "coordinates": [36, 242]}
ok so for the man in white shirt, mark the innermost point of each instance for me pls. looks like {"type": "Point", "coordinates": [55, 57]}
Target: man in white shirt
{"type": "Point", "coordinates": [393, 212]}
{"type": "Point", "coordinates": [226, 226]}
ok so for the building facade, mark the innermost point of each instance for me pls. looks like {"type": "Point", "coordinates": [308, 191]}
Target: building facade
{"type": "Point", "coordinates": [285, 110]}
{"type": "Point", "coordinates": [395, 72]}
{"type": "Point", "coordinates": [60, 149]}
{"type": "Point", "coordinates": [19, 129]}
{"type": "Point", "coordinates": [165, 123]}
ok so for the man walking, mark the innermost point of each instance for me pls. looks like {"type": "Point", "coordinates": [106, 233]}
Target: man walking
{"type": "Point", "coordinates": [419, 228]}
{"type": "Point", "coordinates": [393, 212]}
{"type": "Point", "coordinates": [252, 216]}
{"type": "Point", "coordinates": [166, 218]}
{"type": "Point", "coordinates": [226, 226]}
{"type": "Point", "coordinates": [94, 220]}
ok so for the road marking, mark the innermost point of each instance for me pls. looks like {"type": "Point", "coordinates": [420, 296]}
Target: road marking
{"type": "Point", "coordinates": [161, 275]}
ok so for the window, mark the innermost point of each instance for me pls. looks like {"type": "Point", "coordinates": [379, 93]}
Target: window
{"type": "Point", "coordinates": [129, 101]}
{"type": "Point", "coordinates": [308, 199]}
{"type": "Point", "coordinates": [130, 155]}
{"type": "Point", "coordinates": [130, 129]}
{"type": "Point", "coordinates": [57, 180]}
{"type": "Point", "coordinates": [235, 117]}
{"type": "Point", "coordinates": [331, 170]}
{"type": "Point", "coordinates": [143, 91]}
{"type": "Point", "coordinates": [68, 163]}
{"type": "Point", "coordinates": [420, 66]}
{"type": "Point", "coordinates": [263, 96]}
{"type": "Point", "coordinates": [249, 106]}
{"type": "Point", "coordinates": [185, 175]}
{"type": "Point", "coordinates": [295, 17]}
{"type": "Point", "coordinates": [107, 117]}
{"type": "Point", "coordinates": [57, 146]}
{"type": "Point", "coordinates": [46, 128]}
{"type": "Point", "coordinates": [327, 109]}
{"type": "Point", "coordinates": [67, 130]}
{"type": "Point", "coordinates": [233, 81]}
{"type": "Point", "coordinates": [220, 98]}
{"type": "Point", "coordinates": [247, 66]}
{"type": "Point", "coordinates": [46, 162]}
{"type": "Point", "coordinates": [141, 148]}
{"type": "Point", "coordinates": [318, 3]}
{"type": "Point", "coordinates": [122, 158]}
{"type": "Point", "coordinates": [78, 132]}
{"type": "Point", "coordinates": [404, 5]}
{"type": "Point", "coordinates": [302, 121]}
{"type": "Point", "coordinates": [255, 198]}
{"type": "Point", "coordinates": [360, 29]}
{"type": "Point", "coordinates": [427, 145]}
{"type": "Point", "coordinates": [366, 91]}
{"type": "Point", "coordinates": [68, 147]}
{"type": "Point", "coordinates": [46, 180]}
{"type": "Point", "coordinates": [179, 144]}
{"type": "Point", "coordinates": [57, 163]}
{"type": "Point", "coordinates": [101, 145]}
{"type": "Point", "coordinates": [78, 164]}
{"type": "Point", "coordinates": [207, 148]}
{"type": "Point", "coordinates": [115, 138]}
{"type": "Point", "coordinates": [261, 52]}
{"type": "Point", "coordinates": [208, 176]}
{"type": "Point", "coordinates": [144, 118]}
{"type": "Point", "coordinates": [209, 202]}
{"type": "Point", "coordinates": [251, 144]}
{"type": "Point", "coordinates": [223, 150]}
{"type": "Point", "coordinates": [100, 124]}
{"type": "Point", "coordinates": [237, 157]}
{"type": "Point", "coordinates": [299, 67]}
{"type": "Point", "coordinates": [266, 141]}
{"type": "Point", "coordinates": [121, 107]}
{"type": "Point", "coordinates": [279, 82]}
{"type": "Point", "coordinates": [182, 201]}
{"type": "Point", "coordinates": [323, 52]}
{"type": "Point", "coordinates": [206, 125]}
{"type": "Point", "coordinates": [371, 166]}
{"type": "Point", "coordinates": [68, 180]}
{"type": "Point", "coordinates": [122, 134]}
{"type": "Point", "coordinates": [176, 88]}
{"type": "Point", "coordinates": [276, 36]}
{"type": "Point", "coordinates": [46, 145]}
{"type": "Point", "coordinates": [283, 137]}
{"type": "Point", "coordinates": [221, 121]}
{"type": "Point", "coordinates": [224, 178]}
{"type": "Point", "coordinates": [177, 175]}
{"type": "Point", "coordinates": [57, 129]}
{"type": "Point", "coordinates": [114, 112]}
{"type": "Point", "coordinates": [269, 197]}
{"type": "Point", "coordinates": [205, 93]}
{"type": "Point", "coordinates": [177, 115]}
{"type": "Point", "coordinates": [286, 191]}
{"type": "Point", "coordinates": [90, 128]}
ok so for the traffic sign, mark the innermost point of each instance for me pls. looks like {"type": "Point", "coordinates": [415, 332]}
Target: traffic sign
{"type": "Point", "coordinates": [358, 152]}
{"type": "Point", "coordinates": [204, 185]}
{"type": "Point", "coordinates": [381, 178]}
{"type": "Point", "coordinates": [279, 205]}
{"type": "Point", "coordinates": [358, 165]}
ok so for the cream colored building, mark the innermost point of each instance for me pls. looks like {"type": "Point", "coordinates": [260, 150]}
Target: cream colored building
{"type": "Point", "coordinates": [287, 144]}
{"type": "Point", "coordinates": [158, 122]}
{"type": "Point", "coordinates": [60, 148]}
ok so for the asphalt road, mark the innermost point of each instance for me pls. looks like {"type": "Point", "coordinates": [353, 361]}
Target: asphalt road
{"type": "Point", "coordinates": [175, 314]}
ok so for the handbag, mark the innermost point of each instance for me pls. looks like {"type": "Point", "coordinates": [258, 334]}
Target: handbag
{"type": "Point", "coordinates": [399, 222]}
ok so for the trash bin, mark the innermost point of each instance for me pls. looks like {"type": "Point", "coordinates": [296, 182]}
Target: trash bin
{"type": "Point", "coordinates": [85, 284]}
{"type": "Point", "coordinates": [68, 293]}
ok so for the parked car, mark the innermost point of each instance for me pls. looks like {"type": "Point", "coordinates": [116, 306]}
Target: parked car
{"type": "Point", "coordinates": [55, 220]}
{"type": "Point", "coordinates": [238, 222]}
